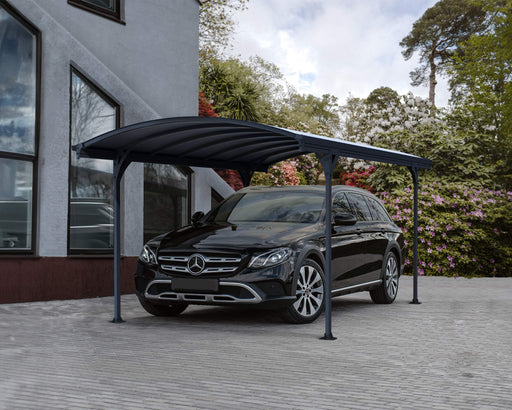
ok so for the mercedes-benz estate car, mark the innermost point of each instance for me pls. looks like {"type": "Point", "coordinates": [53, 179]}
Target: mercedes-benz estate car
{"type": "Point", "coordinates": [265, 246]}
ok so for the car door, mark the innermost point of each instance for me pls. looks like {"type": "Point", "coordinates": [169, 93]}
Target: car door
{"type": "Point", "coordinates": [347, 247]}
{"type": "Point", "coordinates": [377, 244]}
{"type": "Point", "coordinates": [373, 237]}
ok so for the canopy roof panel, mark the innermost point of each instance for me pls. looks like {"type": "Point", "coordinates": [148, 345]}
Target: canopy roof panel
{"type": "Point", "coordinates": [225, 143]}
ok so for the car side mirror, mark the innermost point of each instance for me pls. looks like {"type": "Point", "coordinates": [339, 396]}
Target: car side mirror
{"type": "Point", "coordinates": [344, 219]}
{"type": "Point", "coordinates": [197, 217]}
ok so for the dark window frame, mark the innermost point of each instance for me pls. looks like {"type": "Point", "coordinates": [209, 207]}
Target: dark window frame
{"type": "Point", "coordinates": [74, 69]}
{"type": "Point", "coordinates": [27, 157]}
{"type": "Point", "coordinates": [114, 15]}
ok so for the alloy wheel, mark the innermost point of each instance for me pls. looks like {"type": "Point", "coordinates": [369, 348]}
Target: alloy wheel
{"type": "Point", "coordinates": [391, 277]}
{"type": "Point", "coordinates": [310, 291]}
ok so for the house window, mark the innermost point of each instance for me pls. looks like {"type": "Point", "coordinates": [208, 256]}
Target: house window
{"type": "Point", "coordinates": [166, 199]}
{"type": "Point", "coordinates": [19, 111]}
{"type": "Point", "coordinates": [111, 9]}
{"type": "Point", "coordinates": [90, 180]}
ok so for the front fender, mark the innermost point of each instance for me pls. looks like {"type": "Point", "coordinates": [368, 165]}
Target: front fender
{"type": "Point", "coordinates": [309, 251]}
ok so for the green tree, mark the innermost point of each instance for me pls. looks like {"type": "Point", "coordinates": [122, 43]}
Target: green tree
{"type": "Point", "coordinates": [216, 25]}
{"type": "Point", "coordinates": [233, 94]}
{"type": "Point", "coordinates": [481, 83]}
{"type": "Point", "coordinates": [308, 113]}
{"type": "Point", "coordinates": [459, 153]}
{"type": "Point", "coordinates": [256, 90]}
{"type": "Point", "coordinates": [437, 34]}
{"type": "Point", "coordinates": [383, 97]}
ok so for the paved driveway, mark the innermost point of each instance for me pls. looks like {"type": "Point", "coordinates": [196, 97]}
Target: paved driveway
{"type": "Point", "coordinates": [452, 351]}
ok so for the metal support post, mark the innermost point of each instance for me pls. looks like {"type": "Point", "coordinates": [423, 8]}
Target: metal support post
{"type": "Point", "coordinates": [415, 301]}
{"type": "Point", "coordinates": [328, 163]}
{"type": "Point", "coordinates": [120, 165]}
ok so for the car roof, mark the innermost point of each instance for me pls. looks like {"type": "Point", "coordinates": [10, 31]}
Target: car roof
{"type": "Point", "coordinates": [317, 189]}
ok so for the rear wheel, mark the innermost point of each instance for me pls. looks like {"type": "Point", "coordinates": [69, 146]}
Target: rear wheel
{"type": "Point", "coordinates": [310, 291]}
{"type": "Point", "coordinates": [162, 310]}
{"type": "Point", "coordinates": [387, 291]}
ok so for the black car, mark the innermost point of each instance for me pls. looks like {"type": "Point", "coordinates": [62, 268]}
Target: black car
{"type": "Point", "coordinates": [266, 246]}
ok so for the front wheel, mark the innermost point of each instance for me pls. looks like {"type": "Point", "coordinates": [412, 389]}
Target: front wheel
{"type": "Point", "coordinates": [161, 310]}
{"type": "Point", "coordinates": [310, 291]}
{"type": "Point", "coordinates": [387, 291]}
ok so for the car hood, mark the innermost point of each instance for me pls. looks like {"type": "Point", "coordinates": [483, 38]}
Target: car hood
{"type": "Point", "coordinates": [241, 236]}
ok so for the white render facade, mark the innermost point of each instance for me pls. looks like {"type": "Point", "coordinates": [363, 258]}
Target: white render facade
{"type": "Point", "coordinates": [146, 61]}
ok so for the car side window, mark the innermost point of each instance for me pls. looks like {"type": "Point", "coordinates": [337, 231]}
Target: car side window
{"type": "Point", "coordinates": [360, 207]}
{"type": "Point", "coordinates": [340, 203]}
{"type": "Point", "coordinates": [378, 211]}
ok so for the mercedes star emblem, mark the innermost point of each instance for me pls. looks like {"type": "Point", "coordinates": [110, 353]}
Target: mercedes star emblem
{"type": "Point", "coordinates": [196, 264]}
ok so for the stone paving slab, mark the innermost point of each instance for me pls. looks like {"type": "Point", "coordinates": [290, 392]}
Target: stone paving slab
{"type": "Point", "coordinates": [453, 351]}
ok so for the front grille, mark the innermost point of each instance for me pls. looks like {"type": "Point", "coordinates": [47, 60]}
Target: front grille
{"type": "Point", "coordinates": [216, 264]}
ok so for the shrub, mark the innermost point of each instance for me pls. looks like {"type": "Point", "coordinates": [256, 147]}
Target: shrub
{"type": "Point", "coordinates": [260, 178]}
{"type": "Point", "coordinates": [463, 231]}
{"type": "Point", "coordinates": [358, 178]}
{"type": "Point", "coordinates": [309, 167]}
{"type": "Point", "coordinates": [284, 173]}
{"type": "Point", "coordinates": [232, 178]}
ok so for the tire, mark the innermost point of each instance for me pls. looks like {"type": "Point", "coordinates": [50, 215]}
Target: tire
{"type": "Point", "coordinates": [310, 290]}
{"type": "Point", "coordinates": [162, 310]}
{"type": "Point", "coordinates": [387, 291]}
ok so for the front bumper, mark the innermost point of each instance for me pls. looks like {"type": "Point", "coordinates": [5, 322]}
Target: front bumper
{"type": "Point", "coordinates": [266, 288]}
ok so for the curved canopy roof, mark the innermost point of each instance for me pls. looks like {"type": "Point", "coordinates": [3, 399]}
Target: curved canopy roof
{"type": "Point", "coordinates": [225, 143]}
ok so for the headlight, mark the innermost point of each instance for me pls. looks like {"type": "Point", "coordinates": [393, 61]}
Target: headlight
{"type": "Point", "coordinates": [270, 258]}
{"type": "Point", "coordinates": [147, 255]}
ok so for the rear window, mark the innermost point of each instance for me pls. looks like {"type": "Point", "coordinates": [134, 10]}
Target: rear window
{"type": "Point", "coordinates": [378, 211]}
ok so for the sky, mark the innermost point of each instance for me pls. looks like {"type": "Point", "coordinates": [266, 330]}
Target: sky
{"type": "Point", "coordinates": [339, 47]}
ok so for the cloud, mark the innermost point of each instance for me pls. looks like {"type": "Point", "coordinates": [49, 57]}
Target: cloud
{"type": "Point", "coordinates": [340, 47]}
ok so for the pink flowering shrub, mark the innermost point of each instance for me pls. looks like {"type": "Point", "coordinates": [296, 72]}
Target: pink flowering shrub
{"type": "Point", "coordinates": [462, 231]}
{"type": "Point", "coordinates": [308, 168]}
{"type": "Point", "coordinates": [282, 173]}
{"type": "Point", "coordinates": [303, 170]}
{"type": "Point", "coordinates": [358, 178]}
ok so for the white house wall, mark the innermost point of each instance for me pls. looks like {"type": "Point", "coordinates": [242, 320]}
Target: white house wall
{"type": "Point", "coordinates": [156, 78]}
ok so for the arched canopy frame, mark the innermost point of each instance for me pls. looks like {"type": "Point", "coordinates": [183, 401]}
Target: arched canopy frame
{"type": "Point", "coordinates": [246, 146]}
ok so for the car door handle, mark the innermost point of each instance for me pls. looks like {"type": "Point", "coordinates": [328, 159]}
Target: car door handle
{"type": "Point", "coordinates": [359, 231]}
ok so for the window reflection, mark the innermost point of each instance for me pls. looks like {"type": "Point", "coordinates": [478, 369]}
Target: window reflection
{"type": "Point", "coordinates": [17, 86]}
{"type": "Point", "coordinates": [166, 199]}
{"type": "Point", "coordinates": [91, 183]}
{"type": "Point", "coordinates": [15, 204]}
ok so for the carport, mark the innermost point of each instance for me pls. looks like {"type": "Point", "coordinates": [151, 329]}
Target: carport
{"type": "Point", "coordinates": [233, 144]}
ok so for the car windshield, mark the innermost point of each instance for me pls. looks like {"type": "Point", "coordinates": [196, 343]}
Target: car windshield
{"type": "Point", "coordinates": [271, 206]}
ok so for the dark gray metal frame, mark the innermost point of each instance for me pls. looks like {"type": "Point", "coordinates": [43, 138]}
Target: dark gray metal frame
{"type": "Point", "coordinates": [234, 144]}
